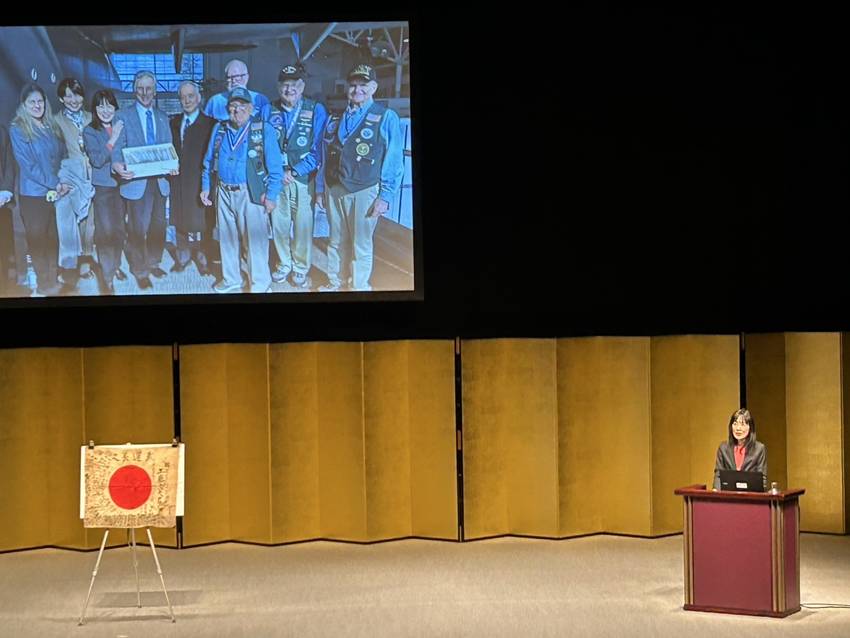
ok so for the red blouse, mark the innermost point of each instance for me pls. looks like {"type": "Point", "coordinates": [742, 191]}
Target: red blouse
{"type": "Point", "coordinates": [740, 453]}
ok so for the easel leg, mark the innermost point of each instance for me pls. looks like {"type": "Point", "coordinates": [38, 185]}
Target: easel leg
{"type": "Point", "coordinates": [159, 571]}
{"type": "Point", "coordinates": [94, 575]}
{"type": "Point", "coordinates": [136, 567]}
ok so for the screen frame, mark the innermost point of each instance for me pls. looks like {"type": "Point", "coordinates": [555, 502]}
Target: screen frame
{"type": "Point", "coordinates": [188, 300]}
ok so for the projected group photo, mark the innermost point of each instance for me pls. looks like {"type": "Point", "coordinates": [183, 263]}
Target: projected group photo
{"type": "Point", "coordinates": [206, 160]}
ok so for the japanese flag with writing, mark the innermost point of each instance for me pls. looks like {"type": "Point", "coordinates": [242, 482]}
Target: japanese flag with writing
{"type": "Point", "coordinates": [128, 486]}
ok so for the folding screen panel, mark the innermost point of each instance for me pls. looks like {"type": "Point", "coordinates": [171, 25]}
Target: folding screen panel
{"type": "Point", "coordinates": [41, 430]}
{"type": "Point", "coordinates": [604, 435]}
{"type": "Point", "coordinates": [510, 437]}
{"type": "Point", "coordinates": [766, 385]}
{"type": "Point", "coordinates": [346, 441]}
{"type": "Point", "coordinates": [695, 389]}
{"type": "Point", "coordinates": [815, 428]}
{"type": "Point", "coordinates": [797, 386]}
{"type": "Point", "coordinates": [55, 400]}
{"type": "Point", "coordinates": [591, 435]}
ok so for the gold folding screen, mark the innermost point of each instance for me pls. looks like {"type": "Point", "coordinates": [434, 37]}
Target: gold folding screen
{"type": "Point", "coordinates": [54, 400]}
{"type": "Point", "coordinates": [356, 441]}
{"type": "Point", "coordinates": [695, 389]}
{"type": "Point", "coordinates": [603, 385]}
{"type": "Point", "coordinates": [814, 405]}
{"type": "Point", "coordinates": [575, 436]}
{"type": "Point", "coordinates": [799, 381]}
{"type": "Point", "coordinates": [765, 364]}
{"type": "Point", "coordinates": [348, 441]}
{"type": "Point", "coordinates": [510, 437]}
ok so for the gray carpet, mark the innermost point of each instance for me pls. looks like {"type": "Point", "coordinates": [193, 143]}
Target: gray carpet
{"type": "Point", "coordinates": [596, 586]}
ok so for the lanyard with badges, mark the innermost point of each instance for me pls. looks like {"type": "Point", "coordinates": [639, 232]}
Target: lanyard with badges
{"type": "Point", "coordinates": [234, 144]}
{"type": "Point", "coordinates": [348, 118]}
{"type": "Point", "coordinates": [293, 122]}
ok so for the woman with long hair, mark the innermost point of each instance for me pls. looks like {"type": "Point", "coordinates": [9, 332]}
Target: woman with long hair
{"type": "Point", "coordinates": [38, 147]}
{"type": "Point", "coordinates": [109, 231]}
{"type": "Point", "coordinates": [741, 451]}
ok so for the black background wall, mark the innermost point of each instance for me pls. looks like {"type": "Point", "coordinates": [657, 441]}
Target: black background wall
{"type": "Point", "coordinates": [601, 172]}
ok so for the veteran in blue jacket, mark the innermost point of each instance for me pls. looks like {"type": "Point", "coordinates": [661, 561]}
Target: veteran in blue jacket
{"type": "Point", "coordinates": [362, 172]}
{"type": "Point", "coordinates": [244, 159]}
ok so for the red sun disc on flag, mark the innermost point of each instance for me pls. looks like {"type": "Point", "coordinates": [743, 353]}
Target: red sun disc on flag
{"type": "Point", "coordinates": [130, 487]}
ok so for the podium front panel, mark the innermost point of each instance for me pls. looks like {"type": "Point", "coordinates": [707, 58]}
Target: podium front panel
{"type": "Point", "coordinates": [742, 551]}
{"type": "Point", "coordinates": [730, 557]}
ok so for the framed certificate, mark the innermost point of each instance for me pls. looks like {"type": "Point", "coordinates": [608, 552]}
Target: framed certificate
{"type": "Point", "coordinates": [146, 161]}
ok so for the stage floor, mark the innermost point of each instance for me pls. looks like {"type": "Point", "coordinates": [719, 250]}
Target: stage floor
{"type": "Point", "coordinates": [594, 586]}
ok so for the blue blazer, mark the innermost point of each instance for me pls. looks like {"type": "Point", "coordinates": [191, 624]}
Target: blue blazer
{"type": "Point", "coordinates": [134, 135]}
{"type": "Point", "coordinates": [100, 156]}
{"type": "Point", "coordinates": [8, 166]}
{"type": "Point", "coordinates": [38, 160]}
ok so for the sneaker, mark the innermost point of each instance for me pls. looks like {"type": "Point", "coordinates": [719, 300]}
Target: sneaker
{"type": "Point", "coordinates": [222, 286]}
{"type": "Point", "coordinates": [49, 291]}
{"type": "Point", "coordinates": [331, 287]}
{"type": "Point", "coordinates": [259, 290]}
{"type": "Point", "coordinates": [280, 274]}
{"type": "Point", "coordinates": [298, 279]}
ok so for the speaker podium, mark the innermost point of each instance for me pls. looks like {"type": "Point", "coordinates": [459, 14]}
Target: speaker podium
{"type": "Point", "coordinates": [742, 551]}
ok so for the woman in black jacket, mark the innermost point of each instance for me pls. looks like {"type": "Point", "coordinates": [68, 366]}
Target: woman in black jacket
{"type": "Point", "coordinates": [741, 451]}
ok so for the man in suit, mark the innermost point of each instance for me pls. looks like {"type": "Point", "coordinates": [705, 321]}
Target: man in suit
{"type": "Point", "coordinates": [144, 125]}
{"type": "Point", "coordinates": [192, 221]}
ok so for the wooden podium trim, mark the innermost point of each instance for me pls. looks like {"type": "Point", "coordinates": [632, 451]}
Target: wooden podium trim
{"type": "Point", "coordinates": [797, 551]}
{"type": "Point", "coordinates": [701, 492]}
{"type": "Point", "coordinates": [746, 612]}
{"type": "Point", "coordinates": [777, 557]}
{"type": "Point", "coordinates": [687, 537]}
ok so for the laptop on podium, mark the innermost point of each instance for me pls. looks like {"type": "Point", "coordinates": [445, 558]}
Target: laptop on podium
{"type": "Point", "coordinates": [735, 481]}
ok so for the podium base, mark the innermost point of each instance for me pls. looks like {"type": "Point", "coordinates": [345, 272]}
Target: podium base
{"type": "Point", "coordinates": [746, 612]}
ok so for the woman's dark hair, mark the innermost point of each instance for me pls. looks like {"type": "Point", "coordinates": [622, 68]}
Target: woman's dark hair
{"type": "Point", "coordinates": [745, 415]}
{"type": "Point", "coordinates": [70, 83]}
{"type": "Point", "coordinates": [104, 95]}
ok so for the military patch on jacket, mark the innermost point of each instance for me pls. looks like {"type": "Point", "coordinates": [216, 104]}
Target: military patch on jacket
{"type": "Point", "coordinates": [363, 149]}
{"type": "Point", "coordinates": [307, 115]}
{"type": "Point", "coordinates": [367, 133]}
{"type": "Point", "coordinates": [373, 118]}
{"type": "Point", "coordinates": [276, 120]}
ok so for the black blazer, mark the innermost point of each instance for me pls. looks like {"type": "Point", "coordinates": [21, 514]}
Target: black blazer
{"type": "Point", "coordinates": [754, 461]}
{"type": "Point", "coordinates": [187, 212]}
{"type": "Point", "coordinates": [8, 165]}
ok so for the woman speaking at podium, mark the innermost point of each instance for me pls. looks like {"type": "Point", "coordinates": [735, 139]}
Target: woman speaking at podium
{"type": "Point", "coordinates": [741, 451]}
